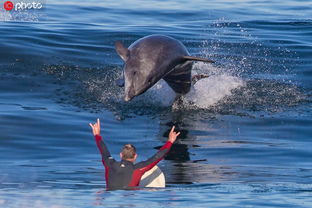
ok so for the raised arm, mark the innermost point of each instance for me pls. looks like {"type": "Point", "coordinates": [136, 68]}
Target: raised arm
{"type": "Point", "coordinates": [96, 130]}
{"type": "Point", "coordinates": [152, 161]}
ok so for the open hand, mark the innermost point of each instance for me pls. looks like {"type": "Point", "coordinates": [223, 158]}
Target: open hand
{"type": "Point", "coordinates": [173, 135]}
{"type": "Point", "coordinates": [96, 128]}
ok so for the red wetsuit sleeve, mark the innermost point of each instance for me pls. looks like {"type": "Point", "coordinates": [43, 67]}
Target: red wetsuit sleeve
{"type": "Point", "coordinates": [152, 161]}
{"type": "Point", "coordinates": [101, 145]}
{"type": "Point", "coordinates": [106, 156]}
{"type": "Point", "coordinates": [144, 166]}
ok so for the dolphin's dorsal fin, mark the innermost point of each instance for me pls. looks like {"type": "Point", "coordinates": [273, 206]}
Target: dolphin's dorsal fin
{"type": "Point", "coordinates": [122, 51]}
{"type": "Point", "coordinates": [192, 58]}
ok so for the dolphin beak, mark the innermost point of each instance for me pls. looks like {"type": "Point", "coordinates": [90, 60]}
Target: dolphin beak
{"type": "Point", "coordinates": [127, 98]}
{"type": "Point", "coordinates": [129, 93]}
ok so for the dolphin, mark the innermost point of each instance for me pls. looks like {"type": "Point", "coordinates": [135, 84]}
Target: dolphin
{"type": "Point", "coordinates": [152, 58]}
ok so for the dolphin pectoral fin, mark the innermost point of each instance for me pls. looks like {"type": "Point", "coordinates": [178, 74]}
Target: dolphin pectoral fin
{"type": "Point", "coordinates": [179, 79]}
{"type": "Point", "coordinates": [198, 77]}
{"type": "Point", "coordinates": [122, 51]}
{"type": "Point", "coordinates": [120, 82]}
{"type": "Point", "coordinates": [192, 58]}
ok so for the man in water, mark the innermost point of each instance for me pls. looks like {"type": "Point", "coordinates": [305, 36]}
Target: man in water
{"type": "Point", "coordinates": [125, 174]}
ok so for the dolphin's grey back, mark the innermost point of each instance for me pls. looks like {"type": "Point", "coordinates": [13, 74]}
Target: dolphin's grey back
{"type": "Point", "coordinates": [166, 54]}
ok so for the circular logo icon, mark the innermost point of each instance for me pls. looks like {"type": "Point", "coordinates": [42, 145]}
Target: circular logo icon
{"type": "Point", "coordinates": [8, 5]}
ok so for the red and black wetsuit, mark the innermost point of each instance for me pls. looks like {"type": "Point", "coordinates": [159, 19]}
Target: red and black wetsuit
{"type": "Point", "coordinates": [125, 174]}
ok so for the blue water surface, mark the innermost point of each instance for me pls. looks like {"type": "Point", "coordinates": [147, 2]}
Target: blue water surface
{"type": "Point", "coordinates": [245, 130]}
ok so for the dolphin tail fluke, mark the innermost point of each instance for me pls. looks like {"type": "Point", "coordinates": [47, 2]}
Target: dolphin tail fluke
{"type": "Point", "coordinates": [192, 58]}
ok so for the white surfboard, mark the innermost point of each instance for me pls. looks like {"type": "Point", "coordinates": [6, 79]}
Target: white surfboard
{"type": "Point", "coordinates": [153, 178]}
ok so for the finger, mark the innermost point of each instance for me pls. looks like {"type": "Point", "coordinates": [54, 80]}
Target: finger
{"type": "Point", "coordinates": [178, 134]}
{"type": "Point", "coordinates": [172, 129]}
{"type": "Point", "coordinates": [91, 125]}
{"type": "Point", "coordinates": [98, 121]}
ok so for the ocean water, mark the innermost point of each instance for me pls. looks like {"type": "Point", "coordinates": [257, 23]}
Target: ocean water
{"type": "Point", "coordinates": [245, 130]}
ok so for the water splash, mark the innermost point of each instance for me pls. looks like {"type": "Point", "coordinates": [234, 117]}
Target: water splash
{"type": "Point", "coordinates": [222, 92]}
{"type": "Point", "coordinates": [208, 92]}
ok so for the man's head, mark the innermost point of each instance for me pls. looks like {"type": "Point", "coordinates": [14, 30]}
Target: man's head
{"type": "Point", "coordinates": [128, 152]}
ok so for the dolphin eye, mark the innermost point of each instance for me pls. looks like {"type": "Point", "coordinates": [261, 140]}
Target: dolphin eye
{"type": "Point", "coordinates": [149, 80]}
{"type": "Point", "coordinates": [134, 72]}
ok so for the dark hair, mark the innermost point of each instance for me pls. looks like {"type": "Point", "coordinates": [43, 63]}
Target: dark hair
{"type": "Point", "coordinates": [128, 151]}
